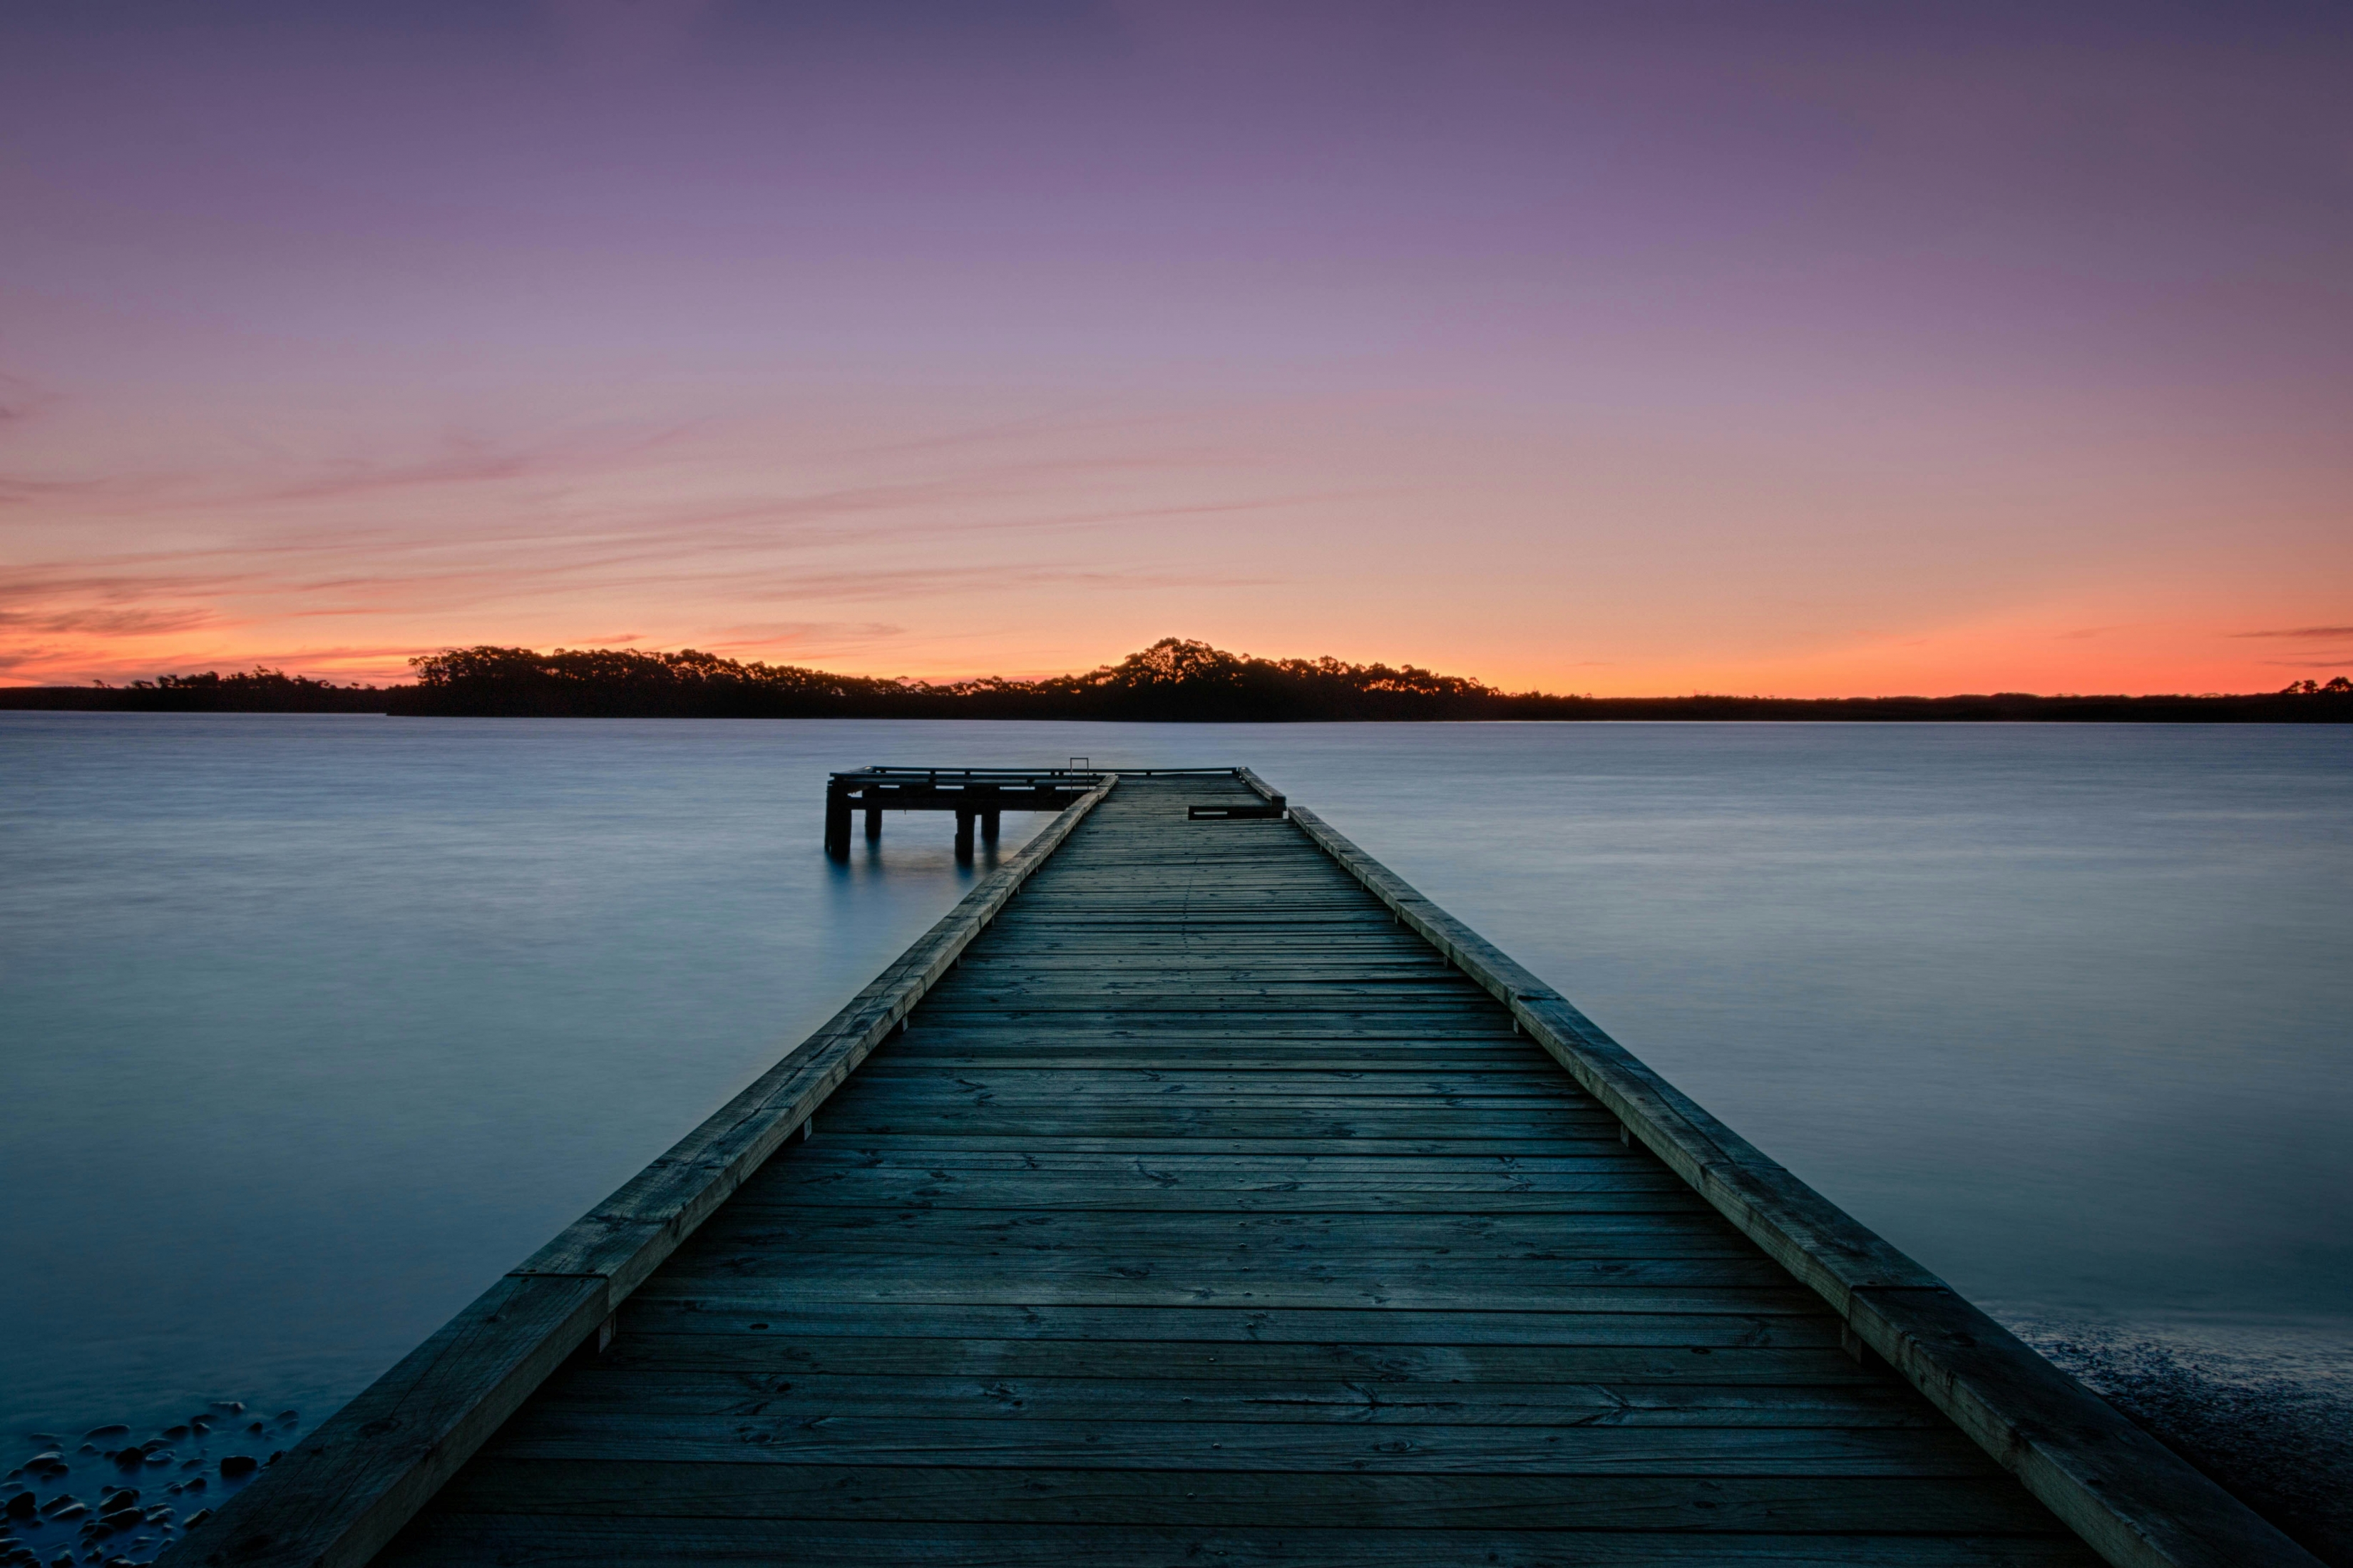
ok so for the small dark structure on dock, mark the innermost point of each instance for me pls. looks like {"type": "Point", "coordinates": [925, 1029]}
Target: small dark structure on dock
{"type": "Point", "coordinates": [1197, 1192]}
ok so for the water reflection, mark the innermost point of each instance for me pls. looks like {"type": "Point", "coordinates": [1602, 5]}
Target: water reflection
{"type": "Point", "coordinates": [314, 1025]}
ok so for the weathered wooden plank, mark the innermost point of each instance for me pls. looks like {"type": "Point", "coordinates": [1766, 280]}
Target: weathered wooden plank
{"type": "Point", "coordinates": [784, 1351]}
{"type": "Point", "coordinates": [1602, 1170]}
{"type": "Point", "coordinates": [1603, 1285]}
{"type": "Point", "coordinates": [550, 1430]}
{"type": "Point", "coordinates": [910, 1083]}
{"type": "Point", "coordinates": [1082, 1053]}
{"type": "Point", "coordinates": [2123, 1493]}
{"type": "Point", "coordinates": [951, 1108]}
{"type": "Point", "coordinates": [1438, 1029]}
{"type": "Point", "coordinates": [665, 1389]}
{"type": "Point", "coordinates": [1207, 1201]}
{"type": "Point", "coordinates": [1785, 1317]}
{"type": "Point", "coordinates": [1212, 1118]}
{"type": "Point", "coordinates": [542, 1539]}
{"type": "Point", "coordinates": [1152, 1082]}
{"type": "Point", "coordinates": [1401, 958]}
{"type": "Point", "coordinates": [831, 1158]}
{"type": "Point", "coordinates": [1339, 1240]}
{"type": "Point", "coordinates": [1088, 1194]}
{"type": "Point", "coordinates": [1177, 1011]}
{"type": "Point", "coordinates": [1180, 1141]}
{"type": "Point", "coordinates": [353, 1483]}
{"type": "Point", "coordinates": [703, 1491]}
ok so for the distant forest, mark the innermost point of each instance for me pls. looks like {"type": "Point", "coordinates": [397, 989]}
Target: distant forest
{"type": "Point", "coordinates": [1173, 679]}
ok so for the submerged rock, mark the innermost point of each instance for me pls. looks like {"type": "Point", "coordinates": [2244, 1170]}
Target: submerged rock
{"type": "Point", "coordinates": [238, 1465]}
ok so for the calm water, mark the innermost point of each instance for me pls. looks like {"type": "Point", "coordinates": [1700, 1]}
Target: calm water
{"type": "Point", "coordinates": [313, 1027]}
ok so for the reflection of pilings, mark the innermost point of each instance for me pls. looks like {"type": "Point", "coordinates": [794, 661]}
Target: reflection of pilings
{"type": "Point", "coordinates": [837, 822]}
{"type": "Point", "coordinates": [988, 826]}
{"type": "Point", "coordinates": [963, 832]}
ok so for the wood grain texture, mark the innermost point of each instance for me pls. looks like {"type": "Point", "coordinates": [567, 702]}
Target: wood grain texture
{"type": "Point", "coordinates": [1205, 1203]}
{"type": "Point", "coordinates": [509, 1540]}
{"type": "Point", "coordinates": [368, 1469]}
{"type": "Point", "coordinates": [1209, 1208]}
{"type": "Point", "coordinates": [2126, 1494]}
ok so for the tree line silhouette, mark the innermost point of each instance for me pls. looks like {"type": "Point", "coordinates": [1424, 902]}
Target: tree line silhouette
{"type": "Point", "coordinates": [1175, 679]}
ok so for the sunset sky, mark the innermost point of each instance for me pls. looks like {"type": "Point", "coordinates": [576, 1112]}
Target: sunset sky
{"type": "Point", "coordinates": [1801, 349]}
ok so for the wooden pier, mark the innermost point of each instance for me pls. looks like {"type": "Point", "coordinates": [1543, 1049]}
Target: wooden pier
{"type": "Point", "coordinates": [1198, 1193]}
{"type": "Point", "coordinates": [978, 797]}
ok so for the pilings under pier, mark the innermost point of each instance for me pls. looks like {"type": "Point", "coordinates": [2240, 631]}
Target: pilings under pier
{"type": "Point", "coordinates": [979, 798]}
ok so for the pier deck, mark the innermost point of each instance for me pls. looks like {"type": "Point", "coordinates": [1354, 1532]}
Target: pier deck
{"type": "Point", "coordinates": [1208, 1210]}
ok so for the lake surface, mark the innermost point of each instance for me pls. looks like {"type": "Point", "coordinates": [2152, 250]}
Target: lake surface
{"type": "Point", "coordinates": [310, 1028]}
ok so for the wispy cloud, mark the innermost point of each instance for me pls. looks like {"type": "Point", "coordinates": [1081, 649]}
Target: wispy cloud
{"type": "Point", "coordinates": [24, 492]}
{"type": "Point", "coordinates": [744, 535]}
{"type": "Point", "coordinates": [2305, 634]}
{"type": "Point", "coordinates": [806, 639]}
{"type": "Point", "coordinates": [110, 623]}
{"type": "Point", "coordinates": [34, 656]}
{"type": "Point", "coordinates": [20, 399]}
{"type": "Point", "coordinates": [467, 461]}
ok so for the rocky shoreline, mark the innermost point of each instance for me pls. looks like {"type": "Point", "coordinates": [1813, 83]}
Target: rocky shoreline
{"type": "Point", "coordinates": [105, 1500]}
{"type": "Point", "coordinates": [2272, 1421]}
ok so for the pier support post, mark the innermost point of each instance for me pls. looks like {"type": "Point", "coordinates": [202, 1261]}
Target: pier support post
{"type": "Point", "coordinates": [837, 823]}
{"type": "Point", "coordinates": [964, 833]}
{"type": "Point", "coordinates": [988, 826]}
{"type": "Point", "coordinates": [873, 823]}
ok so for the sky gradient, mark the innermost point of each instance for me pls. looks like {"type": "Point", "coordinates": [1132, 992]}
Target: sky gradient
{"type": "Point", "coordinates": [1803, 349]}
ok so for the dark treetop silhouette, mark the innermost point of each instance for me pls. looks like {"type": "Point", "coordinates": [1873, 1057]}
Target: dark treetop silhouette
{"type": "Point", "coordinates": [1173, 679]}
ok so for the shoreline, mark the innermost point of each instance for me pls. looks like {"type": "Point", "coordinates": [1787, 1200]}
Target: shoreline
{"type": "Point", "coordinates": [408, 701]}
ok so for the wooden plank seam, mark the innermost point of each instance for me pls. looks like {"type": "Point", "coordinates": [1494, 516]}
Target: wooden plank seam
{"type": "Point", "coordinates": [336, 1498]}
{"type": "Point", "coordinates": [2131, 1499]}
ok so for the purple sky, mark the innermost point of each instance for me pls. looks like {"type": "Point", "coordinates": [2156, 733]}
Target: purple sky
{"type": "Point", "coordinates": [1613, 348]}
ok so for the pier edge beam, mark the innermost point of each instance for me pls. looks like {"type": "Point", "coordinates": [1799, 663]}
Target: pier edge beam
{"type": "Point", "coordinates": [345, 1490]}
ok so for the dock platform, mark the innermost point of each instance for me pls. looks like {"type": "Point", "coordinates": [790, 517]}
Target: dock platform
{"type": "Point", "coordinates": [1198, 1193]}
